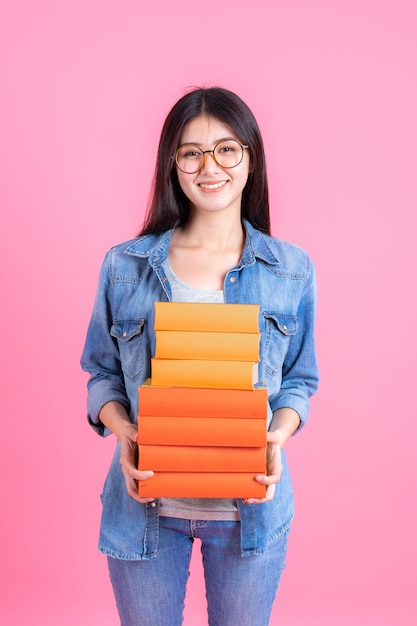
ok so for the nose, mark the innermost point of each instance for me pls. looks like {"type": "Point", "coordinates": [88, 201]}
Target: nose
{"type": "Point", "coordinates": [206, 163]}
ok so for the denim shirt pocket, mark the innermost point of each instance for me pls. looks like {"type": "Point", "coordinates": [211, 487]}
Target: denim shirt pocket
{"type": "Point", "coordinates": [130, 339]}
{"type": "Point", "coordinates": [279, 328]}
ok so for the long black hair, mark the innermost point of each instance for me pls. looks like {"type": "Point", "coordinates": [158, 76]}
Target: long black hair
{"type": "Point", "coordinates": [167, 203]}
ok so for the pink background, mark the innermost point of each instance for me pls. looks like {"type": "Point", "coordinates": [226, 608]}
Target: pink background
{"type": "Point", "coordinates": [85, 86]}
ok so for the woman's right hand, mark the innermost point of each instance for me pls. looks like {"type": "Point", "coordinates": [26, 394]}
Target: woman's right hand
{"type": "Point", "coordinates": [128, 454]}
{"type": "Point", "coordinates": [115, 417]}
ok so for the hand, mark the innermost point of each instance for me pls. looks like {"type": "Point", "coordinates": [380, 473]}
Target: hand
{"type": "Point", "coordinates": [128, 450]}
{"type": "Point", "coordinates": [274, 469]}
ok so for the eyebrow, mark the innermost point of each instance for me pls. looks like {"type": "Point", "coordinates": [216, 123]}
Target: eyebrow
{"type": "Point", "coordinates": [196, 143]}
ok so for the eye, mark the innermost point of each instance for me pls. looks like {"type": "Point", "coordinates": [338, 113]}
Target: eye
{"type": "Point", "coordinates": [189, 152]}
{"type": "Point", "coordinates": [227, 147]}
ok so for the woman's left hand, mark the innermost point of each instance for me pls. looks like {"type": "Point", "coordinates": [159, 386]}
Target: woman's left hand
{"type": "Point", "coordinates": [274, 469]}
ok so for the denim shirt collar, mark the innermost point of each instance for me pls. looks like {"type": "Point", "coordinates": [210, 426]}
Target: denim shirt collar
{"type": "Point", "coordinates": [156, 247]}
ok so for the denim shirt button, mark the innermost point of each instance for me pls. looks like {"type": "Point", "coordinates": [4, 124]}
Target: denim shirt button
{"type": "Point", "coordinates": [165, 279]}
{"type": "Point", "coordinates": [232, 279]}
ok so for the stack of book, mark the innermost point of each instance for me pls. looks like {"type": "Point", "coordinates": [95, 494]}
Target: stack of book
{"type": "Point", "coordinates": [202, 420]}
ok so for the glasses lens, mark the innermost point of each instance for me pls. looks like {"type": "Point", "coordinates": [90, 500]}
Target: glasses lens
{"type": "Point", "coordinates": [189, 158]}
{"type": "Point", "coordinates": [228, 153]}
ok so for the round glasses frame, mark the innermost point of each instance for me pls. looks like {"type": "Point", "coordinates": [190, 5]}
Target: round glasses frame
{"type": "Point", "coordinates": [212, 152]}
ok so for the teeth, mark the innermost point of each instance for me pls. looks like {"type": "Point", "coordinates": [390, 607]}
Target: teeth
{"type": "Point", "coordinates": [213, 186]}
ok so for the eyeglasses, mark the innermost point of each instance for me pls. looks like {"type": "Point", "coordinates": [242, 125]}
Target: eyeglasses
{"type": "Point", "coordinates": [227, 153]}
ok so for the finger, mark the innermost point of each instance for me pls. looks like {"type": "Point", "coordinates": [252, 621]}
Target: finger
{"type": "Point", "coordinates": [133, 493]}
{"type": "Point", "coordinates": [269, 495]}
{"type": "Point", "coordinates": [271, 479]}
{"type": "Point", "coordinates": [130, 471]}
{"type": "Point", "coordinates": [132, 490]}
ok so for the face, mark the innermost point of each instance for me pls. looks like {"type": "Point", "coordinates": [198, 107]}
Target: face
{"type": "Point", "coordinates": [213, 188]}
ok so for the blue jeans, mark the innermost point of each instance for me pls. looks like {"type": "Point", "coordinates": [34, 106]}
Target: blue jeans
{"type": "Point", "coordinates": [240, 590]}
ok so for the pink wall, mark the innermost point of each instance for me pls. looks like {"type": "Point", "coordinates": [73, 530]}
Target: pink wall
{"type": "Point", "coordinates": [85, 86]}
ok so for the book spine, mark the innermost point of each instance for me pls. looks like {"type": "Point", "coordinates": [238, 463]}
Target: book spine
{"type": "Point", "coordinates": [206, 374]}
{"type": "Point", "coordinates": [207, 345]}
{"type": "Point", "coordinates": [201, 484]}
{"type": "Point", "coordinates": [208, 431]}
{"type": "Point", "coordinates": [198, 316]}
{"type": "Point", "coordinates": [198, 402]}
{"type": "Point", "coordinates": [201, 459]}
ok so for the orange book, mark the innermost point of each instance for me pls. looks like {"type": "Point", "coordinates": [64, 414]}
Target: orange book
{"type": "Point", "coordinates": [198, 402]}
{"type": "Point", "coordinates": [202, 316]}
{"type": "Point", "coordinates": [177, 344]}
{"type": "Point", "coordinates": [201, 485]}
{"type": "Point", "coordinates": [203, 373]}
{"type": "Point", "coordinates": [204, 431]}
{"type": "Point", "coordinates": [201, 459]}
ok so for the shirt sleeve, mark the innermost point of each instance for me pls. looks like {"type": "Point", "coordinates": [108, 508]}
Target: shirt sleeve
{"type": "Point", "coordinates": [300, 377]}
{"type": "Point", "coordinates": [101, 356]}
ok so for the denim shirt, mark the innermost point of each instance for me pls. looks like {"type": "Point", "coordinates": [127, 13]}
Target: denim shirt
{"type": "Point", "coordinates": [120, 342]}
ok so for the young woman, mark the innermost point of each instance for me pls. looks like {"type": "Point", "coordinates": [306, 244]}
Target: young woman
{"type": "Point", "coordinates": [206, 238]}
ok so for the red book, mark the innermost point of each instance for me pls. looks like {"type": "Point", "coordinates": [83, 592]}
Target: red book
{"type": "Point", "coordinates": [203, 431]}
{"type": "Point", "coordinates": [201, 459]}
{"type": "Point", "coordinates": [201, 485]}
{"type": "Point", "coordinates": [198, 402]}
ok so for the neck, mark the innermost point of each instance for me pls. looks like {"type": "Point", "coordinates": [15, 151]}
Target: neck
{"type": "Point", "coordinates": [214, 231]}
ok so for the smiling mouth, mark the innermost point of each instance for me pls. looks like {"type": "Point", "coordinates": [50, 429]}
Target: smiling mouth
{"type": "Point", "coordinates": [212, 185]}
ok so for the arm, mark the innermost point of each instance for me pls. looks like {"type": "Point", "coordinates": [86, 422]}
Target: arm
{"type": "Point", "coordinates": [114, 417]}
{"type": "Point", "coordinates": [299, 381]}
{"type": "Point", "coordinates": [300, 376]}
{"type": "Point", "coordinates": [108, 404]}
{"type": "Point", "coordinates": [100, 357]}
